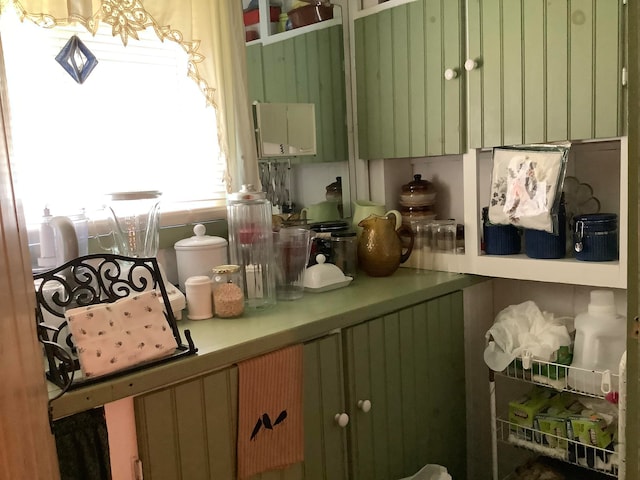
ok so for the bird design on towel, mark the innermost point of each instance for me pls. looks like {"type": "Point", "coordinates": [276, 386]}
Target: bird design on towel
{"type": "Point", "coordinates": [265, 421]}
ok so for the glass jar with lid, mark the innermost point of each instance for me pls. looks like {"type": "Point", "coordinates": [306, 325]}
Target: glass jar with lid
{"type": "Point", "coordinates": [251, 244]}
{"type": "Point", "coordinates": [228, 296]}
{"type": "Point", "coordinates": [418, 193]}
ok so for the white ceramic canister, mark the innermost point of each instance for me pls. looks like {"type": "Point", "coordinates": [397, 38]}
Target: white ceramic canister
{"type": "Point", "coordinates": [199, 297]}
{"type": "Point", "coordinates": [197, 255]}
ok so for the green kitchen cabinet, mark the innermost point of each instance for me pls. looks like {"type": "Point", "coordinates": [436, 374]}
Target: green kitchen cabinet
{"type": "Point", "coordinates": [544, 70]}
{"type": "Point", "coordinates": [307, 68]}
{"type": "Point", "coordinates": [409, 89]}
{"type": "Point", "coordinates": [325, 440]}
{"type": "Point", "coordinates": [189, 431]}
{"type": "Point", "coordinates": [406, 391]}
{"type": "Point", "coordinates": [381, 399]}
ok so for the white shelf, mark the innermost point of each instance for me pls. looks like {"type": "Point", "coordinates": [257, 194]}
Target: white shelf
{"type": "Point", "coordinates": [377, 7]}
{"type": "Point", "coordinates": [278, 37]}
{"type": "Point", "coordinates": [264, 26]}
{"type": "Point", "coordinates": [563, 270]}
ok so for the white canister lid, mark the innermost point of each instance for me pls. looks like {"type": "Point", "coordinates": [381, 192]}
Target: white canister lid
{"type": "Point", "coordinates": [200, 241]}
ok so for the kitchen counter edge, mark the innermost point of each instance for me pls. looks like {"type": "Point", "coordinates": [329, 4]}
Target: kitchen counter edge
{"type": "Point", "coordinates": [225, 342]}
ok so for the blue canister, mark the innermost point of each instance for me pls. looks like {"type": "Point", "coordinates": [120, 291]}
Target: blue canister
{"type": "Point", "coordinates": [542, 244]}
{"type": "Point", "coordinates": [595, 237]}
{"type": "Point", "coordinates": [499, 239]}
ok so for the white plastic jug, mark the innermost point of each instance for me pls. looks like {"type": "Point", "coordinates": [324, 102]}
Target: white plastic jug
{"type": "Point", "coordinates": [599, 345]}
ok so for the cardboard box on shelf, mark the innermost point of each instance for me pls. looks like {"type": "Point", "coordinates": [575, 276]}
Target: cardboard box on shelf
{"type": "Point", "coordinates": [523, 410]}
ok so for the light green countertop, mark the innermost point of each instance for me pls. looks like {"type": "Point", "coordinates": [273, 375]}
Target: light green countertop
{"type": "Point", "coordinates": [224, 342]}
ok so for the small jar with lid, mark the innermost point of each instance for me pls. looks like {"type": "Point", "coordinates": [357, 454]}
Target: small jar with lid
{"type": "Point", "coordinates": [418, 193]}
{"type": "Point", "coordinates": [344, 251]}
{"type": "Point", "coordinates": [228, 296]}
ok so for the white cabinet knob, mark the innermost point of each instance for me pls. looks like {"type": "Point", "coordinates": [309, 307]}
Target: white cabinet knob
{"type": "Point", "coordinates": [450, 74]}
{"type": "Point", "coordinates": [364, 405]}
{"type": "Point", "coordinates": [470, 64]}
{"type": "Point", "coordinates": [342, 419]}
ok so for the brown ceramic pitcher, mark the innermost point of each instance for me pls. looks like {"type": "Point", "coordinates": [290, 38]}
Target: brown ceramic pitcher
{"type": "Point", "coordinates": [380, 250]}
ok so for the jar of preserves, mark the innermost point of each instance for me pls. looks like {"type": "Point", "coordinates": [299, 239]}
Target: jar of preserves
{"type": "Point", "coordinates": [228, 296]}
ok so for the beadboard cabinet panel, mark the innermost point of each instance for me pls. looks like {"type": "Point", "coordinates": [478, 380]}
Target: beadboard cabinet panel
{"type": "Point", "coordinates": [188, 431]}
{"type": "Point", "coordinates": [409, 364]}
{"type": "Point", "coordinates": [545, 71]}
{"type": "Point", "coordinates": [325, 442]}
{"type": "Point", "coordinates": [308, 68]}
{"type": "Point", "coordinates": [406, 107]}
{"type": "Point", "coordinates": [413, 378]}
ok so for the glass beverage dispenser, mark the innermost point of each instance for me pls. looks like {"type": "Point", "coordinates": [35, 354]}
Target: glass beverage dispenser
{"type": "Point", "coordinates": [251, 244]}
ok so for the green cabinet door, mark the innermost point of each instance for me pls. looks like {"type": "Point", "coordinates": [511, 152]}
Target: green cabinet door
{"type": "Point", "coordinates": [545, 70]}
{"type": "Point", "coordinates": [410, 366]}
{"type": "Point", "coordinates": [405, 105]}
{"type": "Point", "coordinates": [188, 431]}
{"type": "Point", "coordinates": [325, 442]}
{"type": "Point", "coordinates": [308, 68]}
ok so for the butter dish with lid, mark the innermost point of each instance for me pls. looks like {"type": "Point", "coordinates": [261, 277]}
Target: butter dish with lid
{"type": "Point", "coordinates": [324, 277]}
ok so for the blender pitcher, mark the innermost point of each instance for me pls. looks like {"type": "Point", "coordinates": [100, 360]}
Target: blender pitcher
{"type": "Point", "coordinates": [251, 244]}
{"type": "Point", "coordinates": [133, 220]}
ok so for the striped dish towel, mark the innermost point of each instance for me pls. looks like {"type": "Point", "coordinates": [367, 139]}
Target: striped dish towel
{"type": "Point", "coordinates": [270, 428]}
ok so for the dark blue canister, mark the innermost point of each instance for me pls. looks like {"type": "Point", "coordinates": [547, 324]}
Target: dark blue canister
{"type": "Point", "coordinates": [542, 244]}
{"type": "Point", "coordinates": [499, 239]}
{"type": "Point", "coordinates": [595, 237]}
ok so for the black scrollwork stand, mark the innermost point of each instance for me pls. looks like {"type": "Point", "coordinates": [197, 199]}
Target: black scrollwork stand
{"type": "Point", "coordinates": [89, 280]}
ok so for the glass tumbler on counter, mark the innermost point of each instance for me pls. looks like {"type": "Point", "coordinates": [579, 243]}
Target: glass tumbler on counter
{"type": "Point", "coordinates": [344, 251]}
{"type": "Point", "coordinates": [251, 244]}
{"type": "Point", "coordinates": [291, 247]}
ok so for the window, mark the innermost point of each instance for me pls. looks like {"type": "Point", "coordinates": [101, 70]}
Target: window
{"type": "Point", "coordinates": [138, 122]}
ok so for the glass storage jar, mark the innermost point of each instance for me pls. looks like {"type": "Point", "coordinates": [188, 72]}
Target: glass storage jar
{"type": "Point", "coordinates": [251, 244]}
{"type": "Point", "coordinates": [418, 193]}
{"type": "Point", "coordinates": [228, 296]}
{"type": "Point", "coordinates": [344, 251]}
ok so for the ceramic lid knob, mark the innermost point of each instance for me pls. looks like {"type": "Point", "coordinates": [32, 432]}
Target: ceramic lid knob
{"type": "Point", "coordinates": [199, 230]}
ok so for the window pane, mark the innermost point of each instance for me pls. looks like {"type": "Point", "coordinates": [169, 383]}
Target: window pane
{"type": "Point", "coordinates": [136, 123]}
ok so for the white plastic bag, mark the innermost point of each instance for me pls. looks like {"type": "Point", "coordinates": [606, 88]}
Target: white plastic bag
{"type": "Point", "coordinates": [431, 472]}
{"type": "Point", "coordinates": [524, 329]}
{"type": "Point", "coordinates": [526, 185]}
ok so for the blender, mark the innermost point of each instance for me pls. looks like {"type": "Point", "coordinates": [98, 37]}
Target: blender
{"type": "Point", "coordinates": [133, 220]}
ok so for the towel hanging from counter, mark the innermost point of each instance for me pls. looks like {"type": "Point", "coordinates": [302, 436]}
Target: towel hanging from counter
{"type": "Point", "coordinates": [270, 428]}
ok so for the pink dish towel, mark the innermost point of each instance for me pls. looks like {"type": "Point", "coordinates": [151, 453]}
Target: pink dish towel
{"type": "Point", "coordinates": [113, 336]}
{"type": "Point", "coordinates": [270, 424]}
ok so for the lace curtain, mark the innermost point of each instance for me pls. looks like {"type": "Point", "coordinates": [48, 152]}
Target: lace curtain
{"type": "Point", "coordinates": [211, 33]}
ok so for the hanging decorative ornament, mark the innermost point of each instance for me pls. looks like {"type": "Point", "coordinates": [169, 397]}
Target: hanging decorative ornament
{"type": "Point", "coordinates": [77, 59]}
